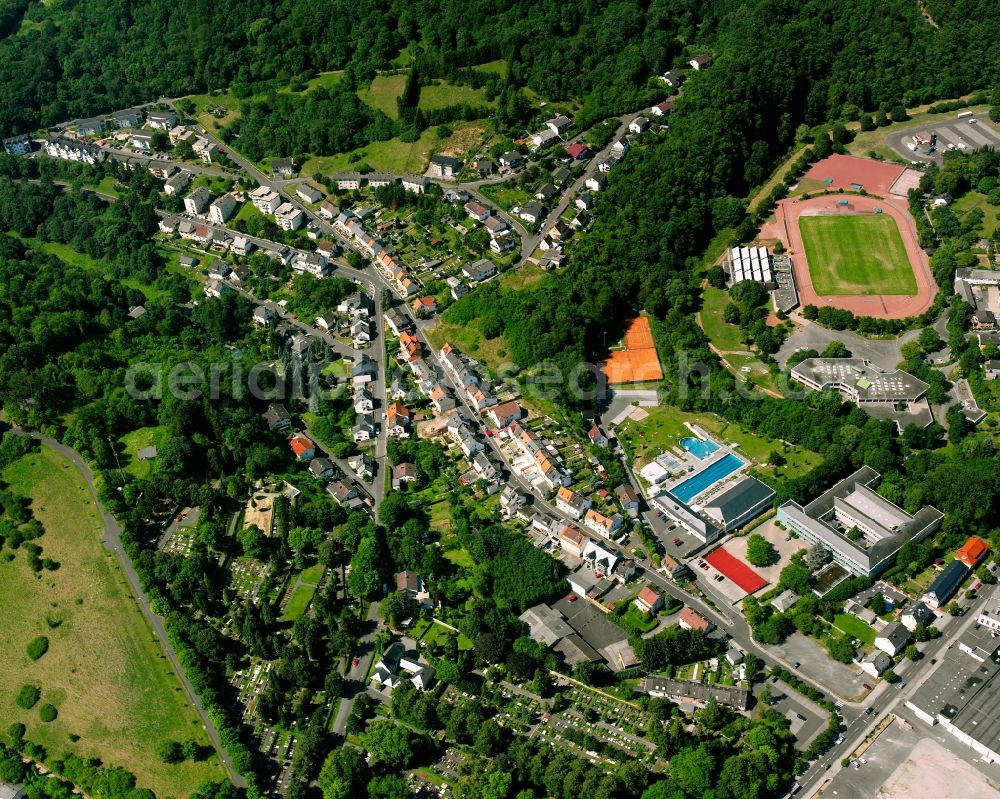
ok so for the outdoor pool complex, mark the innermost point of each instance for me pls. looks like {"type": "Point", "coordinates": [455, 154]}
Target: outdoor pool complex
{"type": "Point", "coordinates": [699, 448]}
{"type": "Point", "coordinates": [706, 478]}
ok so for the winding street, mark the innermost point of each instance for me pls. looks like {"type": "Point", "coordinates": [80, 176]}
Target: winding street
{"type": "Point", "coordinates": [113, 541]}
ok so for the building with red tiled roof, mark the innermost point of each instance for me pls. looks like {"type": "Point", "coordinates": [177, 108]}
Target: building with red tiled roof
{"type": "Point", "coordinates": [648, 601]}
{"type": "Point", "coordinates": [972, 552]}
{"type": "Point", "coordinates": [578, 151]}
{"type": "Point", "coordinates": [303, 447]}
{"type": "Point", "coordinates": [691, 620]}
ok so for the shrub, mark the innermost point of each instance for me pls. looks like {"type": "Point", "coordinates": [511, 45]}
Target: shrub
{"type": "Point", "coordinates": [47, 713]}
{"type": "Point", "coordinates": [38, 647]}
{"type": "Point", "coordinates": [28, 696]}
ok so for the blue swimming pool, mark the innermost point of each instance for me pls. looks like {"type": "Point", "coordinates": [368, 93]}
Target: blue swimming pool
{"type": "Point", "coordinates": [706, 478]}
{"type": "Point", "coordinates": [699, 448]}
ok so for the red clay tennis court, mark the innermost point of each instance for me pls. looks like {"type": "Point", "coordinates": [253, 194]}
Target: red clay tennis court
{"type": "Point", "coordinates": [736, 570]}
{"type": "Point", "coordinates": [638, 362]}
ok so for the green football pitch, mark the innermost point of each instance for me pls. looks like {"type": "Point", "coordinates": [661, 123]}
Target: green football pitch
{"type": "Point", "coordinates": [861, 254]}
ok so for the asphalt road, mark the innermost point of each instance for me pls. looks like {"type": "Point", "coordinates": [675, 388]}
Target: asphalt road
{"type": "Point", "coordinates": [354, 676]}
{"type": "Point", "coordinates": [112, 541]}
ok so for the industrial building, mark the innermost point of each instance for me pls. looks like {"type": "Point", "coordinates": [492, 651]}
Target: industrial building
{"type": "Point", "coordinates": [862, 530]}
{"type": "Point", "coordinates": [963, 694]}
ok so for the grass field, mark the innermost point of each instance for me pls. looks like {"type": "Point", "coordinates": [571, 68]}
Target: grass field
{"type": "Point", "coordinates": [303, 593]}
{"type": "Point", "coordinates": [856, 255]}
{"type": "Point", "coordinates": [975, 199]}
{"type": "Point", "coordinates": [726, 337]}
{"type": "Point", "coordinates": [104, 670]}
{"type": "Point", "coordinates": [384, 89]}
{"type": "Point", "coordinates": [854, 627]}
{"type": "Point", "coordinates": [136, 440]}
{"type": "Point", "coordinates": [382, 93]}
{"type": "Point", "coordinates": [393, 155]}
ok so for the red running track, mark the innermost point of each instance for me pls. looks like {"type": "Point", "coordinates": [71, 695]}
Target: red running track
{"type": "Point", "coordinates": [888, 306]}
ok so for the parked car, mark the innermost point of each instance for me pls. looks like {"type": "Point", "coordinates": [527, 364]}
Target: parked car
{"type": "Point", "coordinates": [355, 662]}
{"type": "Point", "coordinates": [866, 686]}
{"type": "Point", "coordinates": [677, 542]}
{"type": "Point", "coordinates": [868, 711]}
{"type": "Point", "coordinates": [796, 664]}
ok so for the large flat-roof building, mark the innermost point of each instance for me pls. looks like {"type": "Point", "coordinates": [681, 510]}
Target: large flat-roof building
{"type": "Point", "coordinates": [963, 694]}
{"type": "Point", "coordinates": [852, 510]}
{"type": "Point", "coordinates": [895, 395]}
{"type": "Point", "coordinates": [738, 504]}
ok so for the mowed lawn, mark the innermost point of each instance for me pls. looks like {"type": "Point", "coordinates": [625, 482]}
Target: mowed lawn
{"type": "Point", "coordinates": [854, 627]}
{"type": "Point", "coordinates": [861, 254]}
{"type": "Point", "coordinates": [104, 670]}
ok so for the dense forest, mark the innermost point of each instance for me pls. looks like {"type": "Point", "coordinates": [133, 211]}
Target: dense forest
{"type": "Point", "coordinates": [72, 58]}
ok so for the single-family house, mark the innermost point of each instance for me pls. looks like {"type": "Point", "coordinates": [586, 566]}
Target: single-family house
{"type": "Point", "coordinates": [662, 109]}
{"type": "Point", "coordinates": [692, 620]}
{"type": "Point", "coordinates": [363, 429]}
{"type": "Point", "coordinates": [579, 151]}
{"type": "Point", "coordinates": [559, 124]}
{"type": "Point", "coordinates": [403, 473]}
{"type": "Point", "coordinates": [481, 270]}
{"type": "Point", "coordinates": [321, 468]}
{"type": "Point", "coordinates": [282, 167]}
{"type": "Point", "coordinates": [875, 664]}
{"type": "Point", "coordinates": [262, 314]}
{"type": "Point", "coordinates": [596, 436]}
{"type": "Point", "coordinates": [546, 192]}
{"type": "Point", "coordinates": [532, 211]}
{"type": "Point", "coordinates": [511, 159]}
{"type": "Point", "coordinates": [596, 182]}
{"type": "Point", "coordinates": [486, 167]}
{"type": "Point", "coordinates": [572, 541]}
{"type": "Point", "coordinates": [638, 125]}
{"type": "Point", "coordinates": [504, 414]}
{"type": "Point", "coordinates": [308, 194]}
{"type": "Point", "coordinates": [917, 613]}
{"type": "Point", "coordinates": [302, 447]}
{"type": "Point", "coordinates": [542, 139]}
{"type": "Point", "coordinates": [476, 210]}
{"type": "Point", "coordinates": [892, 639]}
{"type": "Point", "coordinates": [571, 503]}
{"type": "Point", "coordinates": [629, 500]}
{"type": "Point", "coordinates": [424, 306]}
{"type": "Point", "coordinates": [648, 600]}
{"type": "Point", "coordinates": [673, 78]}
{"type": "Point", "coordinates": [700, 61]}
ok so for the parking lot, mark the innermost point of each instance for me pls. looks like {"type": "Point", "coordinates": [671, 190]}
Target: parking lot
{"type": "Point", "coordinates": [964, 135]}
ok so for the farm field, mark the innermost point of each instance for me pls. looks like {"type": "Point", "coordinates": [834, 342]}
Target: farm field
{"type": "Point", "coordinates": [104, 670]}
{"type": "Point", "coordinates": [856, 255]}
